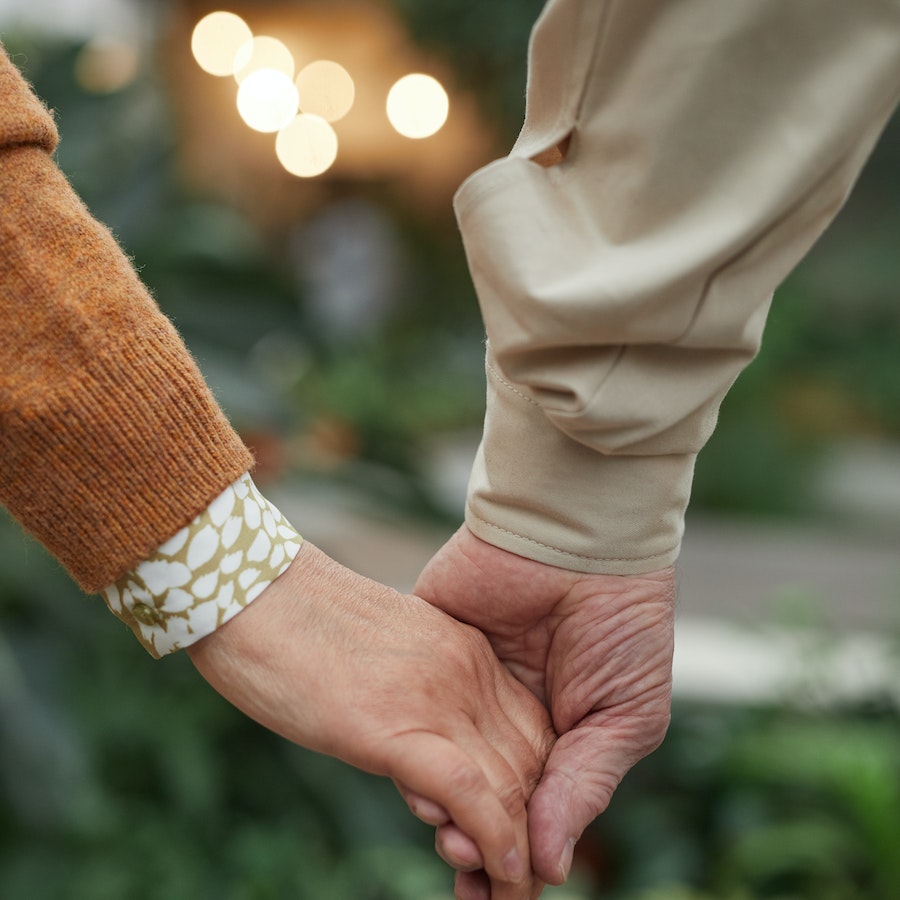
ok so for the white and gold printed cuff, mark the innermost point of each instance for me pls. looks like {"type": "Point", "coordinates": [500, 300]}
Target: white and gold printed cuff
{"type": "Point", "coordinates": [206, 573]}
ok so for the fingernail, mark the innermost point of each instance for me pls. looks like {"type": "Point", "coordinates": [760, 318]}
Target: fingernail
{"type": "Point", "coordinates": [515, 868]}
{"type": "Point", "coordinates": [565, 861]}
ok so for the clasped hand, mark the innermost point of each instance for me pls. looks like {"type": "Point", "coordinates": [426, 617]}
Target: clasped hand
{"type": "Point", "coordinates": [391, 684]}
{"type": "Point", "coordinates": [595, 649]}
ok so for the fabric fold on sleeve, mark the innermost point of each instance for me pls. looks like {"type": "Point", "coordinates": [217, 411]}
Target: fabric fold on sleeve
{"type": "Point", "coordinates": [625, 288]}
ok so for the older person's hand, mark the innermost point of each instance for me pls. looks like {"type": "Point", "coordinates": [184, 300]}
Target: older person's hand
{"type": "Point", "coordinates": [389, 683]}
{"type": "Point", "coordinates": [596, 649]}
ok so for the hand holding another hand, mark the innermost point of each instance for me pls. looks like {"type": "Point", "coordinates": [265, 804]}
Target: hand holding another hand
{"type": "Point", "coordinates": [596, 649]}
{"type": "Point", "coordinates": [390, 684]}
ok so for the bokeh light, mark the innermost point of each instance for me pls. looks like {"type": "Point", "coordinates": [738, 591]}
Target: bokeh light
{"type": "Point", "coordinates": [107, 64]}
{"type": "Point", "coordinates": [326, 89]}
{"type": "Point", "coordinates": [267, 100]}
{"type": "Point", "coordinates": [417, 106]}
{"type": "Point", "coordinates": [307, 146]}
{"type": "Point", "coordinates": [216, 40]}
{"type": "Point", "coordinates": [263, 52]}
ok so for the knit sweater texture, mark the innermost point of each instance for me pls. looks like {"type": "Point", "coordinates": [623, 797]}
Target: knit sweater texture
{"type": "Point", "coordinates": [110, 440]}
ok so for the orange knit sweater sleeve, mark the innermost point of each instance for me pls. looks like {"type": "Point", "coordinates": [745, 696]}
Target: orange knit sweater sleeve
{"type": "Point", "coordinates": [110, 441]}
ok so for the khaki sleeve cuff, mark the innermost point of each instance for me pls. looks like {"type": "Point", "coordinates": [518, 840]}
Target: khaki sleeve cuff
{"type": "Point", "coordinates": [207, 573]}
{"type": "Point", "coordinates": [540, 494]}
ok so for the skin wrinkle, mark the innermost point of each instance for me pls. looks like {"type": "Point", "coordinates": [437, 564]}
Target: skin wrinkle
{"type": "Point", "coordinates": [429, 741]}
{"type": "Point", "coordinates": [531, 674]}
{"type": "Point", "coordinates": [623, 641]}
{"type": "Point", "coordinates": [572, 638]}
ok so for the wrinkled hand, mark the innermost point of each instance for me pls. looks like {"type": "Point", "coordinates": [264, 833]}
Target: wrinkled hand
{"type": "Point", "coordinates": [596, 649]}
{"type": "Point", "coordinates": [386, 682]}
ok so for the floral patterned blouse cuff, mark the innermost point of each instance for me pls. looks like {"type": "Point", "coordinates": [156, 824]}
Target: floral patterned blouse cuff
{"type": "Point", "coordinates": [208, 572]}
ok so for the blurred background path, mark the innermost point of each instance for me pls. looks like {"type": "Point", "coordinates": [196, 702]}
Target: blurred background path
{"type": "Point", "coordinates": [748, 588]}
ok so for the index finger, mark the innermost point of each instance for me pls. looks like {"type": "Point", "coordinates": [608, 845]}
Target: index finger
{"type": "Point", "coordinates": [492, 815]}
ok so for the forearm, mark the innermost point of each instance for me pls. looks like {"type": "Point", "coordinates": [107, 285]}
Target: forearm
{"type": "Point", "coordinates": [110, 440]}
{"type": "Point", "coordinates": [625, 288]}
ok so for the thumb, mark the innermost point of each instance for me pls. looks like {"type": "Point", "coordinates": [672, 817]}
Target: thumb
{"type": "Point", "coordinates": [582, 773]}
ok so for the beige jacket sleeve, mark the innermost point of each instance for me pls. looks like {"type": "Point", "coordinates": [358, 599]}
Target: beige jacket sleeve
{"type": "Point", "coordinates": [624, 289]}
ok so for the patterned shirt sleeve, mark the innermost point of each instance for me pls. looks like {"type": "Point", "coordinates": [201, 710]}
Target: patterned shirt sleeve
{"type": "Point", "coordinates": [206, 573]}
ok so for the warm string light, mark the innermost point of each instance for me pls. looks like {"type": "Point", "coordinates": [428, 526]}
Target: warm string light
{"type": "Point", "coordinates": [417, 106]}
{"type": "Point", "coordinates": [307, 146]}
{"type": "Point", "coordinates": [270, 99]}
{"type": "Point", "coordinates": [107, 64]}
{"type": "Point", "coordinates": [262, 52]}
{"type": "Point", "coordinates": [326, 89]}
{"type": "Point", "coordinates": [267, 100]}
{"type": "Point", "coordinates": [216, 40]}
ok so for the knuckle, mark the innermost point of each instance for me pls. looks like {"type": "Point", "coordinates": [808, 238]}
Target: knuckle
{"type": "Point", "coordinates": [512, 797]}
{"type": "Point", "coordinates": [471, 655]}
{"type": "Point", "coordinates": [477, 646]}
{"type": "Point", "coordinates": [465, 779]}
{"type": "Point", "coordinates": [532, 769]}
{"type": "Point", "coordinates": [465, 641]}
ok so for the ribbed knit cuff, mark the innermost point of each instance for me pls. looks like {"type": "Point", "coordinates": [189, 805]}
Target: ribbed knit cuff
{"type": "Point", "coordinates": [110, 439]}
{"type": "Point", "coordinates": [207, 573]}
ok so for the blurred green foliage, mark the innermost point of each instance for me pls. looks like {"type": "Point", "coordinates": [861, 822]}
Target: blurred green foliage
{"type": "Point", "coordinates": [744, 804]}
{"type": "Point", "coordinates": [247, 308]}
{"type": "Point", "coordinates": [827, 371]}
{"type": "Point", "coordinates": [485, 43]}
{"type": "Point", "coordinates": [251, 315]}
{"type": "Point", "coordinates": [122, 777]}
